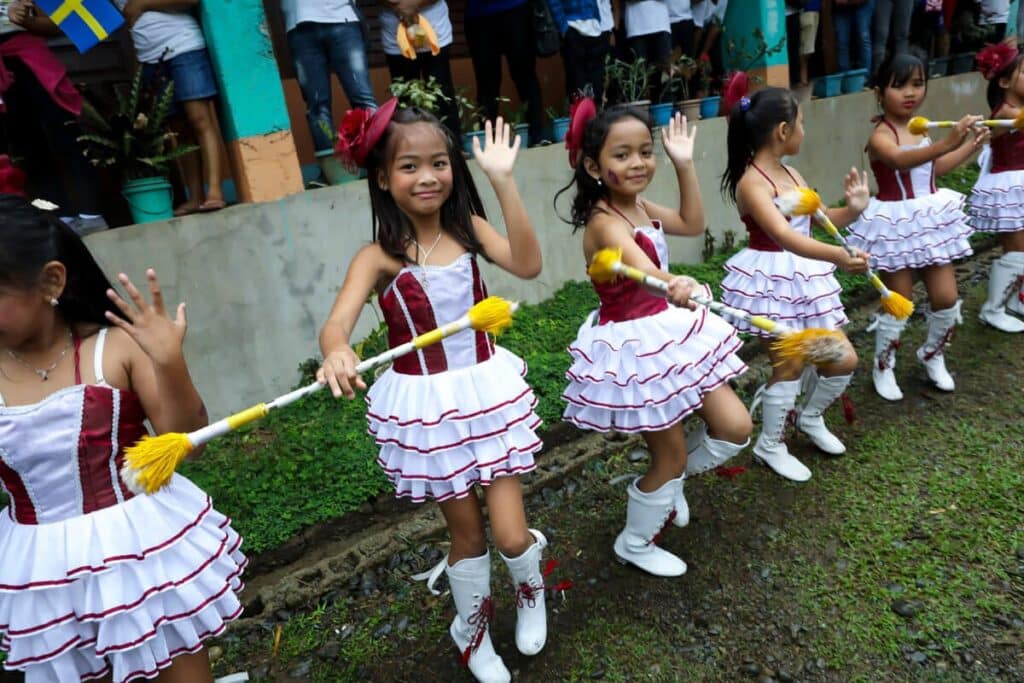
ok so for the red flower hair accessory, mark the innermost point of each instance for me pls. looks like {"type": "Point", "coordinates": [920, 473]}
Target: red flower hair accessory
{"type": "Point", "coordinates": [360, 130]}
{"type": "Point", "coordinates": [12, 178]}
{"type": "Point", "coordinates": [994, 58]}
{"type": "Point", "coordinates": [580, 114]}
{"type": "Point", "coordinates": [736, 89]}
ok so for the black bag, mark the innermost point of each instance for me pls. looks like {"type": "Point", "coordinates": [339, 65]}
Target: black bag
{"type": "Point", "coordinates": [545, 33]}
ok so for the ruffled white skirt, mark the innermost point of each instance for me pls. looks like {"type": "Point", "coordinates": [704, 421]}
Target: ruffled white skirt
{"type": "Point", "coordinates": [648, 374]}
{"type": "Point", "coordinates": [997, 202]}
{"type": "Point", "coordinates": [795, 291]}
{"type": "Point", "coordinates": [122, 590]}
{"type": "Point", "coordinates": [440, 434]}
{"type": "Point", "coordinates": [914, 233]}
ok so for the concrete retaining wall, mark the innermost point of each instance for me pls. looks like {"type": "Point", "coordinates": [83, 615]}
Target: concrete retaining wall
{"type": "Point", "coordinates": [259, 279]}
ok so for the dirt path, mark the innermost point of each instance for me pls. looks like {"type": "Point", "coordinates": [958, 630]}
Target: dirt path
{"type": "Point", "coordinates": [901, 560]}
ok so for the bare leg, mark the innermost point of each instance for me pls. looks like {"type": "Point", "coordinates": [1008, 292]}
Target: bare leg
{"type": "Point", "coordinates": [191, 170]}
{"type": "Point", "coordinates": [466, 526]}
{"type": "Point", "coordinates": [202, 117]}
{"type": "Point", "coordinates": [940, 283]}
{"type": "Point", "coordinates": [508, 518]}
{"type": "Point", "coordinates": [668, 457]}
{"type": "Point", "coordinates": [726, 416]}
{"type": "Point", "coordinates": [188, 668]}
{"type": "Point", "coordinates": [1012, 241]}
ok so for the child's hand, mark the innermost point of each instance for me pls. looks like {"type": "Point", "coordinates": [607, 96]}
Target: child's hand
{"type": "Point", "coordinates": [498, 155]}
{"type": "Point", "coordinates": [856, 190]}
{"type": "Point", "coordinates": [339, 373]}
{"type": "Point", "coordinates": [148, 324]}
{"type": "Point", "coordinates": [856, 264]}
{"type": "Point", "coordinates": [20, 11]}
{"type": "Point", "coordinates": [678, 140]}
{"type": "Point", "coordinates": [958, 134]}
{"type": "Point", "coordinates": [679, 290]}
{"type": "Point", "coordinates": [982, 136]}
{"type": "Point", "coordinates": [133, 9]}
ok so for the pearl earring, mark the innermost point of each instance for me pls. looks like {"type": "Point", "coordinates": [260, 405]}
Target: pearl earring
{"type": "Point", "coordinates": [53, 301]}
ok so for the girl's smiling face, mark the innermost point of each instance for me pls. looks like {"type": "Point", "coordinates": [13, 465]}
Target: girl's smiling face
{"type": "Point", "coordinates": [626, 163]}
{"type": "Point", "coordinates": [419, 176]}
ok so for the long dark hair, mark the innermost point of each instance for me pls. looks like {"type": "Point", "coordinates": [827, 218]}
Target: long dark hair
{"type": "Point", "coordinates": [392, 229]}
{"type": "Point", "coordinates": [29, 239]}
{"type": "Point", "coordinates": [996, 94]}
{"type": "Point", "coordinates": [899, 68]}
{"type": "Point", "coordinates": [588, 191]}
{"type": "Point", "coordinates": [751, 123]}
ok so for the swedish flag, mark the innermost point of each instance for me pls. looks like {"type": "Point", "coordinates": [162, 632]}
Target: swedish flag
{"type": "Point", "coordinates": [85, 22]}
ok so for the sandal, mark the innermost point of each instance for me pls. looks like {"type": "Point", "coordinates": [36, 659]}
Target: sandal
{"type": "Point", "coordinates": [212, 205]}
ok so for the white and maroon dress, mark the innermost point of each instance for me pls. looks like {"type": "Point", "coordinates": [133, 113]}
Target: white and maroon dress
{"type": "Point", "coordinates": [94, 580]}
{"type": "Point", "coordinates": [911, 223]}
{"type": "Point", "coordinates": [641, 364]}
{"type": "Point", "coordinates": [997, 200]}
{"type": "Point", "coordinates": [456, 413]}
{"type": "Point", "coordinates": [765, 279]}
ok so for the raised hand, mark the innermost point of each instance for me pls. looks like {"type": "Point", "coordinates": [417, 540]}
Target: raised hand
{"type": "Point", "coordinates": [678, 140]}
{"type": "Point", "coordinates": [148, 323]}
{"type": "Point", "coordinates": [858, 194]}
{"type": "Point", "coordinates": [498, 155]}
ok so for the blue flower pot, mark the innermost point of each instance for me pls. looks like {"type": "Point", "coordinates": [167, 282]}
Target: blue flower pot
{"type": "Point", "coordinates": [829, 86]}
{"type": "Point", "coordinates": [523, 131]}
{"type": "Point", "coordinates": [961, 63]}
{"type": "Point", "coordinates": [709, 107]}
{"type": "Point", "coordinates": [938, 67]}
{"type": "Point", "coordinates": [467, 140]}
{"type": "Point", "coordinates": [662, 113]}
{"type": "Point", "coordinates": [559, 128]}
{"type": "Point", "coordinates": [853, 81]}
{"type": "Point", "coordinates": [150, 199]}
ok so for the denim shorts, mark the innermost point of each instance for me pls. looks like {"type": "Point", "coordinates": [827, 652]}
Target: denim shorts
{"type": "Point", "coordinates": [191, 73]}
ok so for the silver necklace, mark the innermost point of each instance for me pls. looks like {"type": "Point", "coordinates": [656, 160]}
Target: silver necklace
{"type": "Point", "coordinates": [422, 261]}
{"type": "Point", "coordinates": [44, 373]}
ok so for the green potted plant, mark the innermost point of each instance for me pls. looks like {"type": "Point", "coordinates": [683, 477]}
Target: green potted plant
{"type": "Point", "coordinates": [135, 141]}
{"type": "Point", "coordinates": [559, 123]}
{"type": "Point", "coordinates": [471, 117]}
{"type": "Point", "coordinates": [627, 84]}
{"type": "Point", "coordinates": [519, 126]}
{"type": "Point", "coordinates": [709, 102]}
{"type": "Point", "coordinates": [416, 92]}
{"type": "Point", "coordinates": [677, 87]}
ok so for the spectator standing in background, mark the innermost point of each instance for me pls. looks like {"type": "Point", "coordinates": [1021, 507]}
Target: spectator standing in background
{"type": "Point", "coordinates": [41, 121]}
{"type": "Point", "coordinates": [852, 21]}
{"type": "Point", "coordinates": [425, 65]}
{"type": "Point", "coordinates": [680, 18]}
{"type": "Point", "coordinates": [892, 20]}
{"type": "Point", "coordinates": [809, 19]}
{"type": "Point", "coordinates": [708, 17]}
{"type": "Point", "coordinates": [586, 27]}
{"type": "Point", "coordinates": [994, 14]}
{"type": "Point", "coordinates": [326, 36]}
{"type": "Point", "coordinates": [169, 44]}
{"type": "Point", "coordinates": [496, 28]}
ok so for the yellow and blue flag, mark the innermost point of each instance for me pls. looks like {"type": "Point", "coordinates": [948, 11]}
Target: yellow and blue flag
{"type": "Point", "coordinates": [85, 22]}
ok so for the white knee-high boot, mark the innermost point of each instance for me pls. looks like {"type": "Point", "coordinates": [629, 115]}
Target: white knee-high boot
{"type": "Point", "coordinates": [1003, 288]}
{"type": "Point", "coordinates": [1015, 301]}
{"type": "Point", "coordinates": [470, 583]}
{"type": "Point", "coordinates": [531, 611]}
{"type": "Point", "coordinates": [776, 401]}
{"type": "Point", "coordinates": [940, 331]}
{"type": "Point", "coordinates": [887, 340]}
{"type": "Point", "coordinates": [820, 393]}
{"type": "Point", "coordinates": [647, 515]}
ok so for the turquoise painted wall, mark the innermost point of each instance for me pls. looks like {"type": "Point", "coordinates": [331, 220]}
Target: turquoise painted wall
{"type": "Point", "coordinates": [741, 19]}
{"type": "Point", "coordinates": [237, 36]}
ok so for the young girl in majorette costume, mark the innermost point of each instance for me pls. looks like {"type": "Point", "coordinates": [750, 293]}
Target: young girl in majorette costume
{"type": "Point", "coordinates": [641, 363]}
{"type": "Point", "coordinates": [910, 226]}
{"type": "Point", "coordinates": [95, 582]}
{"type": "Point", "coordinates": [784, 273]}
{"type": "Point", "coordinates": [458, 413]}
{"type": "Point", "coordinates": [997, 201]}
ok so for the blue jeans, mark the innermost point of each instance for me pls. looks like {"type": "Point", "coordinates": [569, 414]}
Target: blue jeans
{"type": "Point", "coordinates": [317, 49]}
{"type": "Point", "coordinates": [858, 19]}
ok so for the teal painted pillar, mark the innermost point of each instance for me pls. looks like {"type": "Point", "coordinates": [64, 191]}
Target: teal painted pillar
{"type": "Point", "coordinates": [750, 29]}
{"type": "Point", "coordinates": [254, 116]}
